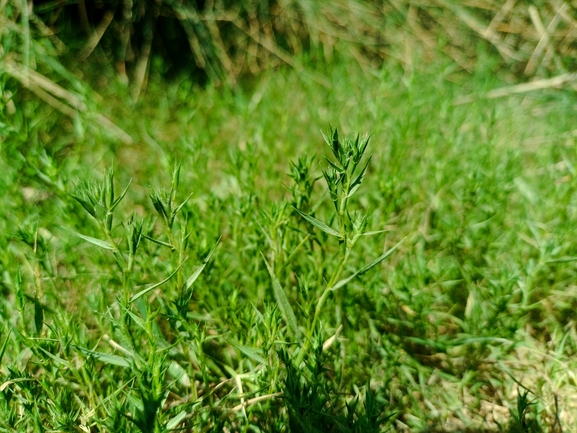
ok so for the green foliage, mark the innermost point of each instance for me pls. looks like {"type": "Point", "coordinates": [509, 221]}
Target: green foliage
{"type": "Point", "coordinates": [521, 422]}
{"type": "Point", "coordinates": [146, 304]}
{"type": "Point", "coordinates": [314, 407]}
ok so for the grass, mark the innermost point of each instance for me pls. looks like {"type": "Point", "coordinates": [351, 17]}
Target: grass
{"type": "Point", "coordinates": [199, 278]}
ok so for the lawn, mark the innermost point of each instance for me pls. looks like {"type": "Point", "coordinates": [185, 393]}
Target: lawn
{"type": "Point", "coordinates": [222, 259]}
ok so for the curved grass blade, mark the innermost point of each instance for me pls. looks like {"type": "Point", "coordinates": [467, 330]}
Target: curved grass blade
{"type": "Point", "coordinates": [282, 301]}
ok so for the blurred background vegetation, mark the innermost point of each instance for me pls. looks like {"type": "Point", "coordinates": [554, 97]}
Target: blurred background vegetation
{"type": "Point", "coordinates": [53, 47]}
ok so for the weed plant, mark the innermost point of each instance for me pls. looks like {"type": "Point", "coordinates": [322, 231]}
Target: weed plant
{"type": "Point", "coordinates": [214, 292]}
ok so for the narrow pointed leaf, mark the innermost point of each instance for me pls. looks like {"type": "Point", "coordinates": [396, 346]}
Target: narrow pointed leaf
{"type": "Point", "coordinates": [318, 224]}
{"type": "Point", "coordinates": [251, 353]}
{"type": "Point", "coordinates": [333, 165]}
{"type": "Point", "coordinates": [6, 344]}
{"type": "Point", "coordinates": [174, 422]}
{"type": "Point", "coordinates": [374, 263]}
{"type": "Point", "coordinates": [282, 301]}
{"type": "Point", "coordinates": [266, 235]}
{"type": "Point", "coordinates": [107, 358]}
{"type": "Point", "coordinates": [359, 180]}
{"type": "Point", "coordinates": [10, 382]}
{"type": "Point", "coordinates": [38, 316]}
{"type": "Point", "coordinates": [295, 249]}
{"type": "Point", "coordinates": [119, 199]}
{"type": "Point", "coordinates": [200, 268]}
{"type": "Point", "coordinates": [56, 359]}
{"type": "Point", "coordinates": [154, 286]}
{"type": "Point", "coordinates": [98, 242]}
{"type": "Point", "coordinates": [182, 204]}
{"type": "Point", "coordinates": [374, 232]}
{"type": "Point", "coordinates": [89, 207]}
{"type": "Point", "coordinates": [156, 241]}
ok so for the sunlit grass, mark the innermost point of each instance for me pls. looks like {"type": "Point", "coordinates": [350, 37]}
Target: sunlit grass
{"type": "Point", "coordinates": [164, 315]}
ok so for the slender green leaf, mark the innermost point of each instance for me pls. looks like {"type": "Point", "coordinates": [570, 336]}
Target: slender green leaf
{"type": "Point", "coordinates": [38, 315]}
{"type": "Point", "coordinates": [295, 249]}
{"type": "Point", "coordinates": [89, 207]}
{"type": "Point", "coordinates": [119, 199]}
{"type": "Point", "coordinates": [156, 241]}
{"type": "Point", "coordinates": [107, 358]}
{"type": "Point", "coordinates": [318, 224]}
{"type": "Point", "coordinates": [98, 242]}
{"type": "Point", "coordinates": [10, 382]}
{"type": "Point", "coordinates": [282, 301]}
{"type": "Point", "coordinates": [154, 286]}
{"type": "Point", "coordinates": [333, 165]}
{"type": "Point", "coordinates": [359, 180]}
{"type": "Point", "coordinates": [56, 359]}
{"type": "Point", "coordinates": [174, 422]}
{"type": "Point", "coordinates": [6, 344]}
{"type": "Point", "coordinates": [182, 204]}
{"type": "Point", "coordinates": [250, 352]}
{"type": "Point", "coordinates": [200, 268]}
{"type": "Point", "coordinates": [374, 263]}
{"type": "Point", "coordinates": [562, 260]}
{"type": "Point", "coordinates": [375, 232]}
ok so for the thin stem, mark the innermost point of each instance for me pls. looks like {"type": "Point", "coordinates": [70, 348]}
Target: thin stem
{"type": "Point", "coordinates": [321, 302]}
{"type": "Point", "coordinates": [127, 270]}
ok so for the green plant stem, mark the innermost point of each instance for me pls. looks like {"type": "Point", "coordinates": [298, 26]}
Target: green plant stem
{"type": "Point", "coordinates": [343, 207]}
{"type": "Point", "coordinates": [345, 248]}
{"type": "Point", "coordinates": [186, 352]}
{"type": "Point", "coordinates": [321, 302]}
{"type": "Point", "coordinates": [127, 270]}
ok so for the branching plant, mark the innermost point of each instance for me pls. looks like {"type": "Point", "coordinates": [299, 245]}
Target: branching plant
{"type": "Point", "coordinates": [343, 177]}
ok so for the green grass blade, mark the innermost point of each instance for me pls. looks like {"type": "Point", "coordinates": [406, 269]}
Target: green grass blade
{"type": "Point", "coordinates": [318, 224]}
{"type": "Point", "coordinates": [282, 301]}
{"type": "Point", "coordinates": [98, 242]}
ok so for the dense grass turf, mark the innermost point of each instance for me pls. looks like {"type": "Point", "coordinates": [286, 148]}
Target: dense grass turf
{"type": "Point", "coordinates": [155, 310]}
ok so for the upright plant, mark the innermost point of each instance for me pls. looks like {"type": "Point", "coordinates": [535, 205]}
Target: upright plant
{"type": "Point", "coordinates": [343, 176]}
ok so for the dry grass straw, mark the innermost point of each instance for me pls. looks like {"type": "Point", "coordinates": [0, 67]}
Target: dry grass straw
{"type": "Point", "coordinates": [21, 61]}
{"type": "Point", "coordinates": [530, 40]}
{"type": "Point", "coordinates": [229, 40]}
